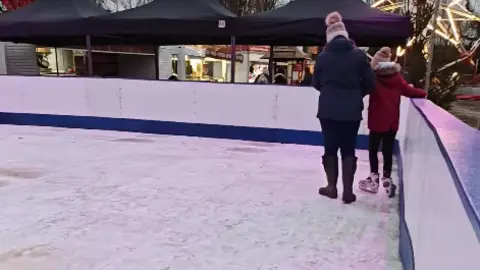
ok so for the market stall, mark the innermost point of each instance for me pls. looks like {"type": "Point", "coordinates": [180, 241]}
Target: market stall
{"type": "Point", "coordinates": [289, 61]}
{"type": "Point", "coordinates": [52, 23]}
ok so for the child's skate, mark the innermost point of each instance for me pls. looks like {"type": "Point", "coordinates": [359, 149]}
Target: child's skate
{"type": "Point", "coordinates": [370, 184]}
{"type": "Point", "coordinates": [389, 186]}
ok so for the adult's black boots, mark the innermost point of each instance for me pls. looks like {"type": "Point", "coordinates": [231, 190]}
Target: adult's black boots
{"type": "Point", "coordinates": [330, 165]}
{"type": "Point", "coordinates": [349, 167]}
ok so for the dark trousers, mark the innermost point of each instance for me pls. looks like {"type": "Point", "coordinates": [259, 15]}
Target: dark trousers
{"type": "Point", "coordinates": [387, 139]}
{"type": "Point", "coordinates": [340, 135]}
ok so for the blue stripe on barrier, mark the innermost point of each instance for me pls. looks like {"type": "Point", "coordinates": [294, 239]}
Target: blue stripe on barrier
{"type": "Point", "coordinates": [173, 128]}
{"type": "Point", "coordinates": [406, 251]}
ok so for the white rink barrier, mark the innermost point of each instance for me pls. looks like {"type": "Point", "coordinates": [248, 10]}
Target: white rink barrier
{"type": "Point", "coordinates": [438, 155]}
{"type": "Point", "coordinates": [439, 169]}
{"type": "Point", "coordinates": [238, 111]}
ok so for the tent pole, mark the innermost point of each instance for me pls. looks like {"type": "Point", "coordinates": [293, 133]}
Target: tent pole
{"type": "Point", "coordinates": [89, 57]}
{"type": "Point", "coordinates": [248, 64]}
{"type": "Point", "coordinates": [431, 46]}
{"type": "Point", "coordinates": [157, 67]}
{"type": "Point", "coordinates": [271, 67]}
{"type": "Point", "coordinates": [233, 58]}
{"type": "Point", "coordinates": [56, 61]}
{"type": "Point", "coordinates": [405, 62]}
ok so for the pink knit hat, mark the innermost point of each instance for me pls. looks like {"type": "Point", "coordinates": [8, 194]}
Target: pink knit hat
{"type": "Point", "coordinates": [383, 55]}
{"type": "Point", "coordinates": [335, 26]}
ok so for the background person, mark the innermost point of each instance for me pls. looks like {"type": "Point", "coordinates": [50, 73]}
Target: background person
{"type": "Point", "coordinates": [262, 78]}
{"type": "Point", "coordinates": [307, 77]}
{"type": "Point", "coordinates": [173, 78]}
{"type": "Point", "coordinates": [343, 76]}
{"type": "Point", "coordinates": [280, 79]}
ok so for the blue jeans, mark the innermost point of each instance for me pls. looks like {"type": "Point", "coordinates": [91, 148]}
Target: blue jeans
{"type": "Point", "coordinates": [339, 135]}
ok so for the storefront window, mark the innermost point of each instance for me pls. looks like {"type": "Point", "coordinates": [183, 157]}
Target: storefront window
{"type": "Point", "coordinates": [206, 69]}
{"type": "Point", "coordinates": [57, 62]}
{"type": "Point", "coordinates": [206, 63]}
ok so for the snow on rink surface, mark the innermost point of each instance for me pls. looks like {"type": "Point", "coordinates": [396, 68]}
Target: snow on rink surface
{"type": "Point", "coordinates": [91, 200]}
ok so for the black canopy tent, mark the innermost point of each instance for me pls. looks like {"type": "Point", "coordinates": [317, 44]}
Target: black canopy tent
{"type": "Point", "coordinates": [302, 22]}
{"type": "Point", "coordinates": [52, 23]}
{"type": "Point", "coordinates": [169, 22]}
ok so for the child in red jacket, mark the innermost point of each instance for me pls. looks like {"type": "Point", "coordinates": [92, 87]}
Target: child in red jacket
{"type": "Point", "coordinates": [383, 118]}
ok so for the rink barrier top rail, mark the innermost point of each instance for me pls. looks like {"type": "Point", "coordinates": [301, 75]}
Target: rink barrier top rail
{"type": "Point", "coordinates": [460, 147]}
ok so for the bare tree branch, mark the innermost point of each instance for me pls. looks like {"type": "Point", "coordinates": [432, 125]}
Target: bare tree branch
{"type": "Point", "coordinates": [245, 7]}
{"type": "Point", "coordinates": [119, 5]}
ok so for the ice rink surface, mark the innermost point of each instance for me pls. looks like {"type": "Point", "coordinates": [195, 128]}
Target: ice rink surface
{"type": "Point", "coordinates": [91, 200]}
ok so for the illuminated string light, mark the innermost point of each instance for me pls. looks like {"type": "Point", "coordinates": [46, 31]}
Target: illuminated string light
{"type": "Point", "coordinates": [451, 14]}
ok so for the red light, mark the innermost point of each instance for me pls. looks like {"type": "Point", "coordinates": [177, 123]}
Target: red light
{"type": "Point", "coordinates": [14, 4]}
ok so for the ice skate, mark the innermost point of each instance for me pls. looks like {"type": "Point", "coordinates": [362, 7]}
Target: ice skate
{"type": "Point", "coordinates": [370, 184]}
{"type": "Point", "coordinates": [389, 186]}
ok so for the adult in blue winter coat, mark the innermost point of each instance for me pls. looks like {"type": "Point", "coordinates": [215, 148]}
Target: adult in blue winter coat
{"type": "Point", "coordinates": [343, 77]}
